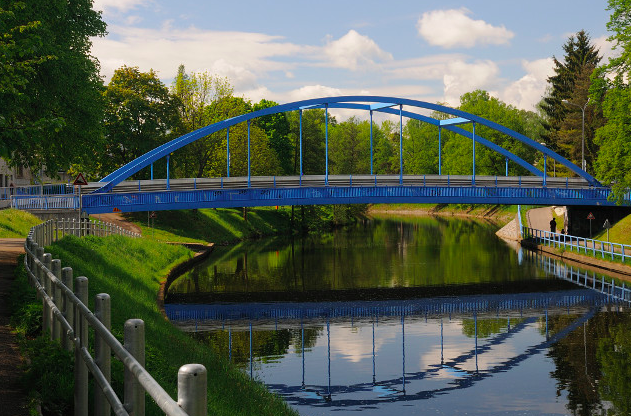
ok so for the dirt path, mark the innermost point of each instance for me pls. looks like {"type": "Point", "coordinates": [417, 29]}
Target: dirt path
{"type": "Point", "coordinates": [12, 399]}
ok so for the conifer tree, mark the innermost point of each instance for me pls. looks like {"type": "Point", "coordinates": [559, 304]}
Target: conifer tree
{"type": "Point", "coordinates": [580, 56]}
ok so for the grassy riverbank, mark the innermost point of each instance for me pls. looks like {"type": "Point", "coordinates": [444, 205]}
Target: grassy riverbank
{"type": "Point", "coordinates": [619, 233]}
{"type": "Point", "coordinates": [15, 223]}
{"type": "Point", "coordinates": [500, 213]}
{"type": "Point", "coordinates": [230, 225]}
{"type": "Point", "coordinates": [130, 271]}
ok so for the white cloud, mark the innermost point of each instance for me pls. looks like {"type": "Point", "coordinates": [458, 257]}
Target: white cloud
{"type": "Point", "coordinates": [354, 51]}
{"type": "Point", "coordinates": [461, 77]}
{"type": "Point", "coordinates": [528, 90]}
{"type": "Point", "coordinates": [120, 5]}
{"type": "Point", "coordinates": [312, 91]}
{"type": "Point", "coordinates": [425, 68]}
{"type": "Point", "coordinates": [454, 28]}
{"type": "Point", "coordinates": [240, 54]}
{"type": "Point", "coordinates": [240, 78]}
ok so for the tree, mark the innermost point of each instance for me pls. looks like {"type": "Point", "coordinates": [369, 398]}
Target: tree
{"type": "Point", "coordinates": [570, 133]}
{"type": "Point", "coordinates": [139, 116]}
{"type": "Point", "coordinates": [52, 109]}
{"type": "Point", "coordinates": [276, 127]}
{"type": "Point", "coordinates": [613, 165]}
{"type": "Point", "coordinates": [349, 147]}
{"type": "Point", "coordinates": [420, 148]}
{"type": "Point", "coordinates": [580, 57]}
{"type": "Point", "coordinates": [458, 150]}
{"type": "Point", "coordinates": [313, 140]}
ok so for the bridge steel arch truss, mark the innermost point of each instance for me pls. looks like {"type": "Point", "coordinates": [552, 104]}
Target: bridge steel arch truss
{"type": "Point", "coordinates": [102, 200]}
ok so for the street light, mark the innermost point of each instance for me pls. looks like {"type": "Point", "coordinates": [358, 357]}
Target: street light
{"type": "Point", "coordinates": [583, 124]}
{"type": "Point", "coordinates": [553, 160]}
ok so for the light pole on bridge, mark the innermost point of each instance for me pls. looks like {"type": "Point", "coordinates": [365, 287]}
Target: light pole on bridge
{"type": "Point", "coordinates": [582, 108]}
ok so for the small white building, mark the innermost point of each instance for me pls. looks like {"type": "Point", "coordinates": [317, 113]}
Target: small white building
{"type": "Point", "coordinates": [20, 176]}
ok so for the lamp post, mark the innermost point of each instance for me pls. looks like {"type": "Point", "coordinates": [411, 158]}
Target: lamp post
{"type": "Point", "coordinates": [583, 128]}
{"type": "Point", "coordinates": [553, 160]}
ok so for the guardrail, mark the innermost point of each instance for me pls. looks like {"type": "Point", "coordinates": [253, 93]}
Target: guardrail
{"type": "Point", "coordinates": [45, 202]}
{"type": "Point", "coordinates": [606, 249]}
{"type": "Point", "coordinates": [36, 190]}
{"type": "Point", "coordinates": [584, 278]}
{"type": "Point", "coordinates": [67, 318]}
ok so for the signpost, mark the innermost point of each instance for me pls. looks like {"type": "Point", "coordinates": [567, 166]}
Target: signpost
{"type": "Point", "coordinates": [590, 217]}
{"type": "Point", "coordinates": [80, 181]}
{"type": "Point", "coordinates": [607, 226]}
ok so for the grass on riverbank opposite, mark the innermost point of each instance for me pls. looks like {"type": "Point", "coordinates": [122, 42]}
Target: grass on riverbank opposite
{"type": "Point", "coordinates": [620, 232]}
{"type": "Point", "coordinates": [219, 226]}
{"type": "Point", "coordinates": [501, 213]}
{"type": "Point", "coordinates": [15, 223]}
{"type": "Point", "coordinates": [130, 271]}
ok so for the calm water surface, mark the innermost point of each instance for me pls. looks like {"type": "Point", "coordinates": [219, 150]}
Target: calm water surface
{"type": "Point", "coordinates": [410, 316]}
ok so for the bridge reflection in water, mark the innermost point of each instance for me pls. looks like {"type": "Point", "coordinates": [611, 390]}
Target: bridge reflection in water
{"type": "Point", "coordinates": [422, 328]}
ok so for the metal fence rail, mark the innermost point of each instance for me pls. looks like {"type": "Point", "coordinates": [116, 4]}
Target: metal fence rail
{"type": "Point", "coordinates": [35, 190]}
{"type": "Point", "coordinates": [584, 278]}
{"type": "Point", "coordinates": [67, 319]}
{"type": "Point", "coordinates": [65, 202]}
{"type": "Point", "coordinates": [605, 249]}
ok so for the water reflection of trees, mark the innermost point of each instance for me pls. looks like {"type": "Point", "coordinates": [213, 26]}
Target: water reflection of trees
{"type": "Point", "coordinates": [268, 345]}
{"type": "Point", "coordinates": [380, 253]}
{"type": "Point", "coordinates": [593, 363]}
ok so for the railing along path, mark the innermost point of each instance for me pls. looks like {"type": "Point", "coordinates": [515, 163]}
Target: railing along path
{"type": "Point", "coordinates": [606, 249]}
{"type": "Point", "coordinates": [67, 319]}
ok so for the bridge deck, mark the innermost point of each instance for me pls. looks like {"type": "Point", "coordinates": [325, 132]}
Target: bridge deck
{"type": "Point", "coordinates": [155, 195]}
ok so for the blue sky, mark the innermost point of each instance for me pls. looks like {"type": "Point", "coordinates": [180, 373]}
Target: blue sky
{"type": "Point", "coordinates": [289, 50]}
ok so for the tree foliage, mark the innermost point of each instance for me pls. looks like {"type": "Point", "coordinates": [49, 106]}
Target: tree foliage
{"type": "Point", "coordinates": [140, 116]}
{"type": "Point", "coordinates": [52, 105]}
{"type": "Point", "coordinates": [613, 165]}
{"type": "Point", "coordinates": [458, 150]}
{"type": "Point", "coordinates": [276, 127]}
{"type": "Point", "coordinates": [570, 82]}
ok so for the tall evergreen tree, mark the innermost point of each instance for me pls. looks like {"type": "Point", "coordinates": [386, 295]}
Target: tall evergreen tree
{"type": "Point", "coordinates": [579, 56]}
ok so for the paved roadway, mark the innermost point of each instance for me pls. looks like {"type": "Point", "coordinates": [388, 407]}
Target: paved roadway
{"type": "Point", "coordinates": [339, 180]}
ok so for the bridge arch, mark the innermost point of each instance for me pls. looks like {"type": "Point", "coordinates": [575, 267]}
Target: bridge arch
{"type": "Point", "coordinates": [368, 103]}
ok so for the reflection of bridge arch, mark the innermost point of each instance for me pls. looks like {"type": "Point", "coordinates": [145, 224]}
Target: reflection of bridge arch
{"type": "Point", "coordinates": [367, 103]}
{"type": "Point", "coordinates": [532, 307]}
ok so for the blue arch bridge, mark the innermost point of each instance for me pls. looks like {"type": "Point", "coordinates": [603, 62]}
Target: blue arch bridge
{"type": "Point", "coordinates": [116, 193]}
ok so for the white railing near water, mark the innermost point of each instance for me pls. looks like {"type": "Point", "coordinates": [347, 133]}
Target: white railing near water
{"type": "Point", "coordinates": [606, 249]}
{"type": "Point", "coordinates": [67, 318]}
{"type": "Point", "coordinates": [585, 278]}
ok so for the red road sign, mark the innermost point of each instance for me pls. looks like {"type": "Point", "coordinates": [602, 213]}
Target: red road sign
{"type": "Point", "coordinates": [591, 216]}
{"type": "Point", "coordinates": [153, 214]}
{"type": "Point", "coordinates": [80, 180]}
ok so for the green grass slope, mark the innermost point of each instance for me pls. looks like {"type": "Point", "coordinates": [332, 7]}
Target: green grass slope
{"type": "Point", "coordinates": [220, 226]}
{"type": "Point", "coordinates": [130, 271]}
{"type": "Point", "coordinates": [15, 223]}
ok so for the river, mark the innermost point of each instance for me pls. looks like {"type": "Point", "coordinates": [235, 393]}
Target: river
{"type": "Point", "coordinates": [414, 315]}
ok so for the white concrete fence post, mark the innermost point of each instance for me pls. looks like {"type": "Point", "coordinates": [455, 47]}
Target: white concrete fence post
{"type": "Point", "coordinates": [102, 310]}
{"type": "Point", "coordinates": [134, 339]}
{"type": "Point", "coordinates": [47, 321]}
{"type": "Point", "coordinates": [67, 306]}
{"type": "Point", "coordinates": [56, 295]}
{"type": "Point", "coordinates": [192, 380]}
{"type": "Point", "coordinates": [80, 369]}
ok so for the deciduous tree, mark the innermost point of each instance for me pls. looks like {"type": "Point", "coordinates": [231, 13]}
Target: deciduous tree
{"type": "Point", "coordinates": [52, 106]}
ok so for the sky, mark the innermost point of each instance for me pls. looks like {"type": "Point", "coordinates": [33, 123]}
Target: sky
{"type": "Point", "coordinates": [289, 50]}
